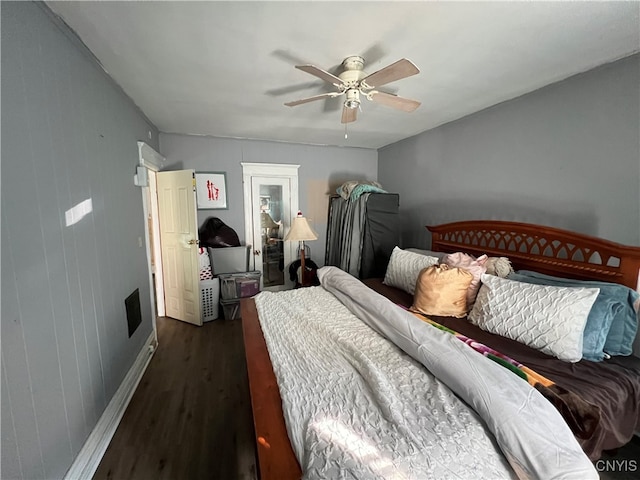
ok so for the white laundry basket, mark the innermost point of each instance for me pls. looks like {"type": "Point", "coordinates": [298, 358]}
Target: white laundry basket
{"type": "Point", "coordinates": [210, 299]}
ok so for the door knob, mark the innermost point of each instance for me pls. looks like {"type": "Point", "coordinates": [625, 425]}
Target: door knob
{"type": "Point", "coordinates": [193, 242]}
{"type": "Point", "coordinates": [257, 252]}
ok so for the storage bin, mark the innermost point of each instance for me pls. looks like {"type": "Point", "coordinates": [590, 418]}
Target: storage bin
{"type": "Point", "coordinates": [209, 299]}
{"type": "Point", "coordinates": [229, 259]}
{"type": "Point", "coordinates": [239, 285]}
{"type": "Point", "coordinates": [231, 309]}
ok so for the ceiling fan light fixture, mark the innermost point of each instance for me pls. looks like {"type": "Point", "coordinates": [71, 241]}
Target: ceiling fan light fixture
{"type": "Point", "coordinates": [352, 104]}
{"type": "Point", "coordinates": [353, 99]}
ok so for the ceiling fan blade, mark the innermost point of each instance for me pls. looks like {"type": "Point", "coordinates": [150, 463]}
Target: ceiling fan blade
{"type": "Point", "coordinates": [312, 99]}
{"type": "Point", "coordinates": [390, 100]}
{"type": "Point", "coordinates": [318, 72]}
{"type": "Point", "coordinates": [403, 68]}
{"type": "Point", "coordinates": [349, 115]}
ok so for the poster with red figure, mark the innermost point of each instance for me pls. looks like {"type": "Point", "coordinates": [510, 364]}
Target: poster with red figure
{"type": "Point", "coordinates": [211, 190]}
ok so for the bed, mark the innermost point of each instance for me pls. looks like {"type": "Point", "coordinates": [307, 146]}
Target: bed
{"type": "Point", "coordinates": [547, 250]}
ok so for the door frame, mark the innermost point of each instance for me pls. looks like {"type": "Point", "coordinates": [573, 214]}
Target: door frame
{"type": "Point", "coordinates": [151, 160]}
{"type": "Point", "coordinates": [276, 170]}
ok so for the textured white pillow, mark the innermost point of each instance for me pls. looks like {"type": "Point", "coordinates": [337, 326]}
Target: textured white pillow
{"type": "Point", "coordinates": [404, 268]}
{"type": "Point", "coordinates": [549, 319]}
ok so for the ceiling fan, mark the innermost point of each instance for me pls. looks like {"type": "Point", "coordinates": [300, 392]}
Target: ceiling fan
{"type": "Point", "coordinates": [354, 84]}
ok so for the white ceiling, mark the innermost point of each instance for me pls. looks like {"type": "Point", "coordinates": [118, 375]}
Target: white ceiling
{"type": "Point", "coordinates": [226, 68]}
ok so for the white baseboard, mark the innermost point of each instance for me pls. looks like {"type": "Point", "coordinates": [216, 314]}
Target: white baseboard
{"type": "Point", "coordinates": [87, 461]}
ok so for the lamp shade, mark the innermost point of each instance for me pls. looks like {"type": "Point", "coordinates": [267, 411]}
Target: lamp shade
{"type": "Point", "coordinates": [300, 230]}
{"type": "Point", "coordinates": [266, 221]}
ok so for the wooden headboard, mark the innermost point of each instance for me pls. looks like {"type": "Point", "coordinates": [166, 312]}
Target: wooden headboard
{"type": "Point", "coordinates": [544, 249]}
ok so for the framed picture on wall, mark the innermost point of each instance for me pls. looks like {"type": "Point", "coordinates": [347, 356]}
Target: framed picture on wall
{"type": "Point", "coordinates": [211, 190]}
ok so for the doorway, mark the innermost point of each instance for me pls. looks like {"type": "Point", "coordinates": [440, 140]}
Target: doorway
{"type": "Point", "coordinates": [270, 202]}
{"type": "Point", "coordinates": [171, 243]}
{"type": "Point", "coordinates": [150, 162]}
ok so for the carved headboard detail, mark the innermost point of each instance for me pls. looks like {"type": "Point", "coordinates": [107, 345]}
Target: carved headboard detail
{"type": "Point", "coordinates": [544, 249]}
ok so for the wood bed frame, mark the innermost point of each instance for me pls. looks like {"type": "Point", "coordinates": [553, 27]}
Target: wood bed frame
{"type": "Point", "coordinates": [544, 249]}
{"type": "Point", "coordinates": [276, 460]}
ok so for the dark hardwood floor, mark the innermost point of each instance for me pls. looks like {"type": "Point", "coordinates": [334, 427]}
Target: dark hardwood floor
{"type": "Point", "coordinates": [190, 417]}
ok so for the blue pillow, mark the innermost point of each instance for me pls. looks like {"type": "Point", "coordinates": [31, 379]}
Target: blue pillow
{"type": "Point", "coordinates": [612, 315]}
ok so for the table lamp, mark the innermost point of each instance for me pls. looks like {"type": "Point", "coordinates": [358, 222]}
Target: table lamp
{"type": "Point", "coordinates": [300, 231]}
{"type": "Point", "coordinates": [267, 223]}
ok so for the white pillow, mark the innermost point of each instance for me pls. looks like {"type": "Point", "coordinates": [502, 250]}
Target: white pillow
{"type": "Point", "coordinates": [429, 253]}
{"type": "Point", "coordinates": [404, 268]}
{"type": "Point", "coordinates": [549, 319]}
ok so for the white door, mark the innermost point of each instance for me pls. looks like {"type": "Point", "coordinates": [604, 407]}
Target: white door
{"type": "Point", "coordinates": [270, 202]}
{"type": "Point", "coordinates": [179, 244]}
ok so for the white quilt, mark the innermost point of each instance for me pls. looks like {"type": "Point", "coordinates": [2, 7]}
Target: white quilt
{"type": "Point", "coordinates": [357, 406]}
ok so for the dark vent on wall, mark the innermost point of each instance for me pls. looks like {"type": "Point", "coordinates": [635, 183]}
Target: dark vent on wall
{"type": "Point", "coordinates": [134, 315]}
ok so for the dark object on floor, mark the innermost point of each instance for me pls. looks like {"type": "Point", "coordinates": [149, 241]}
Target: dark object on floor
{"type": "Point", "coordinates": [215, 233]}
{"type": "Point", "coordinates": [311, 275]}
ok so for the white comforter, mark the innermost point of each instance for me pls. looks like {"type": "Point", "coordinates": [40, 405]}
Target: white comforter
{"type": "Point", "coordinates": [357, 406]}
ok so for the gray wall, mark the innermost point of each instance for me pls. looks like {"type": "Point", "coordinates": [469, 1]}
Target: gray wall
{"type": "Point", "coordinates": [322, 170]}
{"type": "Point", "coordinates": [567, 156]}
{"type": "Point", "coordinates": [68, 134]}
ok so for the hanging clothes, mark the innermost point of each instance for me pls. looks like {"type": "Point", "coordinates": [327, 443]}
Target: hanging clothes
{"type": "Point", "coordinates": [361, 233]}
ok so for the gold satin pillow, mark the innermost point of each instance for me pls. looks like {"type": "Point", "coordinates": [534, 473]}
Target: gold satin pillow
{"type": "Point", "coordinates": [441, 290]}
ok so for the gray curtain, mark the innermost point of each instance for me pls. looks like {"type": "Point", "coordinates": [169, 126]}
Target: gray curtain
{"type": "Point", "coordinates": [345, 233]}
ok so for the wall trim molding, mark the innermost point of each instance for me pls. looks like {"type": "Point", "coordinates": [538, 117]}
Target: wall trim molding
{"type": "Point", "coordinates": [87, 461]}
{"type": "Point", "coordinates": [150, 158]}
